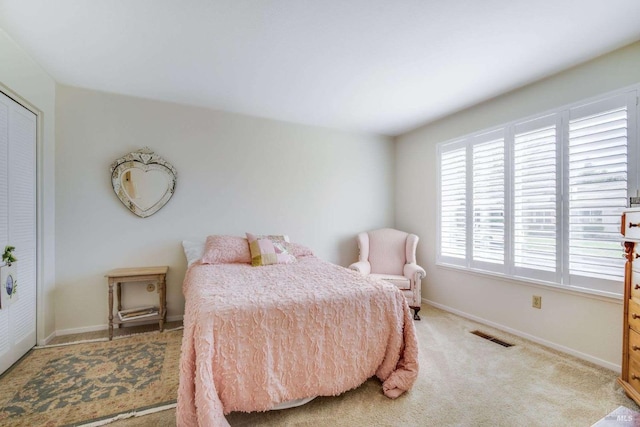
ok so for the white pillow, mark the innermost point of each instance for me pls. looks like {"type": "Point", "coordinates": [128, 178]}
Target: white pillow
{"type": "Point", "coordinates": [193, 250]}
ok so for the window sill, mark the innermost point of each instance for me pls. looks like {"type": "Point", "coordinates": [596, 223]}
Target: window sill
{"type": "Point", "coordinates": [523, 281]}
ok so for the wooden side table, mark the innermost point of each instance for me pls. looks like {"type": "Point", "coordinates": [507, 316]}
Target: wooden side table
{"type": "Point", "coordinates": [157, 275]}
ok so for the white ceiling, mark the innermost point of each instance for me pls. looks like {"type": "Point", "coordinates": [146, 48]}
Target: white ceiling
{"type": "Point", "coordinates": [381, 66]}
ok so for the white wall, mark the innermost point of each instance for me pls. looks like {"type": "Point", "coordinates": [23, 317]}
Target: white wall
{"type": "Point", "coordinates": [235, 174]}
{"type": "Point", "coordinates": [583, 325]}
{"type": "Point", "coordinates": [25, 80]}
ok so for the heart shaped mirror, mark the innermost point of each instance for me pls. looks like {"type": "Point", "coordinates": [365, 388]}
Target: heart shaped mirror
{"type": "Point", "coordinates": [143, 181]}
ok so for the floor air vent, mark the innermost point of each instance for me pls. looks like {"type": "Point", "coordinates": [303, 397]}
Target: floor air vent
{"type": "Point", "coordinates": [490, 338]}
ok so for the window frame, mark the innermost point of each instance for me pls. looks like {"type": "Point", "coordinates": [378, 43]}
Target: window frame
{"type": "Point", "coordinates": [561, 278]}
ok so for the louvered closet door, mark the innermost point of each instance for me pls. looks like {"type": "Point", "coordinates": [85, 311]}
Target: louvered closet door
{"type": "Point", "coordinates": [18, 227]}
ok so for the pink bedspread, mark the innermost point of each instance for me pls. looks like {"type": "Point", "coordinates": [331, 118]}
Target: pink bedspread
{"type": "Point", "coordinates": [258, 336]}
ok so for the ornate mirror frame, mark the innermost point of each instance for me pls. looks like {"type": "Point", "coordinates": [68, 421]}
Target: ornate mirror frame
{"type": "Point", "coordinates": [143, 160]}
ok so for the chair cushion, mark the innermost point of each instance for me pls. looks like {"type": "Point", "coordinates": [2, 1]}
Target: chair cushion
{"type": "Point", "coordinates": [400, 281]}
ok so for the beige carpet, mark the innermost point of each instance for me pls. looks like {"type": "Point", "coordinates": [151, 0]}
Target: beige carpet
{"type": "Point", "coordinates": [464, 381]}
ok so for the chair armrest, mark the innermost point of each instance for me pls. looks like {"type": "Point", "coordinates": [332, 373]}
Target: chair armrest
{"type": "Point", "coordinates": [414, 270]}
{"type": "Point", "coordinates": [363, 267]}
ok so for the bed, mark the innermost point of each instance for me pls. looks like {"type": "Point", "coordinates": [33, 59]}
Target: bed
{"type": "Point", "coordinates": [255, 337]}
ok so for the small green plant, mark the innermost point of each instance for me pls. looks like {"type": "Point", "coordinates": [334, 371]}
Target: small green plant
{"type": "Point", "coordinates": [8, 256]}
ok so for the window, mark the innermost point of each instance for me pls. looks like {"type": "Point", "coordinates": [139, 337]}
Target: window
{"type": "Point", "coordinates": [453, 203]}
{"type": "Point", "coordinates": [535, 184]}
{"type": "Point", "coordinates": [597, 188]}
{"type": "Point", "coordinates": [488, 200]}
{"type": "Point", "coordinates": [541, 198]}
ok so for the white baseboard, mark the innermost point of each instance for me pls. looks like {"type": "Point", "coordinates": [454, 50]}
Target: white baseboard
{"type": "Point", "coordinates": [535, 339]}
{"type": "Point", "coordinates": [95, 328]}
{"type": "Point", "coordinates": [48, 339]}
{"type": "Point", "coordinates": [81, 330]}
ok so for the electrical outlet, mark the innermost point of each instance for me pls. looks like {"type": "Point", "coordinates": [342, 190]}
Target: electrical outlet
{"type": "Point", "coordinates": [536, 301]}
{"type": "Point", "coordinates": [151, 287]}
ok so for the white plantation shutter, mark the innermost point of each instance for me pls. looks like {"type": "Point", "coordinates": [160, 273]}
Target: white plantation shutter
{"type": "Point", "coordinates": [541, 199]}
{"type": "Point", "coordinates": [488, 198]}
{"type": "Point", "coordinates": [453, 205]}
{"type": "Point", "coordinates": [597, 148]}
{"type": "Point", "coordinates": [535, 197]}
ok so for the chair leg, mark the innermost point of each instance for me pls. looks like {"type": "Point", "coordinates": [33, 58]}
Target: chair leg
{"type": "Point", "coordinates": [415, 313]}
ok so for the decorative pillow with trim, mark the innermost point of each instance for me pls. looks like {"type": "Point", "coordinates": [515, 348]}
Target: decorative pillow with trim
{"type": "Point", "coordinates": [265, 251]}
{"type": "Point", "coordinates": [274, 237]}
{"type": "Point", "coordinates": [226, 250]}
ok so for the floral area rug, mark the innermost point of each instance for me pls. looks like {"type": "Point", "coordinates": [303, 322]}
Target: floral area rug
{"type": "Point", "coordinates": [79, 383]}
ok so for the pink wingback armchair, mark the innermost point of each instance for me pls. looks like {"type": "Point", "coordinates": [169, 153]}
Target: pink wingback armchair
{"type": "Point", "coordinates": [390, 255]}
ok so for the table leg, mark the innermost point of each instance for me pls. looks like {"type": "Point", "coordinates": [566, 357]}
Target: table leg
{"type": "Point", "coordinates": [163, 302]}
{"type": "Point", "coordinates": [110, 309]}
{"type": "Point", "coordinates": [119, 294]}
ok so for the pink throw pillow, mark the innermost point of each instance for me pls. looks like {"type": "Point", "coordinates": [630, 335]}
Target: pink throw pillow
{"type": "Point", "coordinates": [226, 250]}
{"type": "Point", "coordinates": [297, 250]}
{"type": "Point", "coordinates": [266, 251]}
